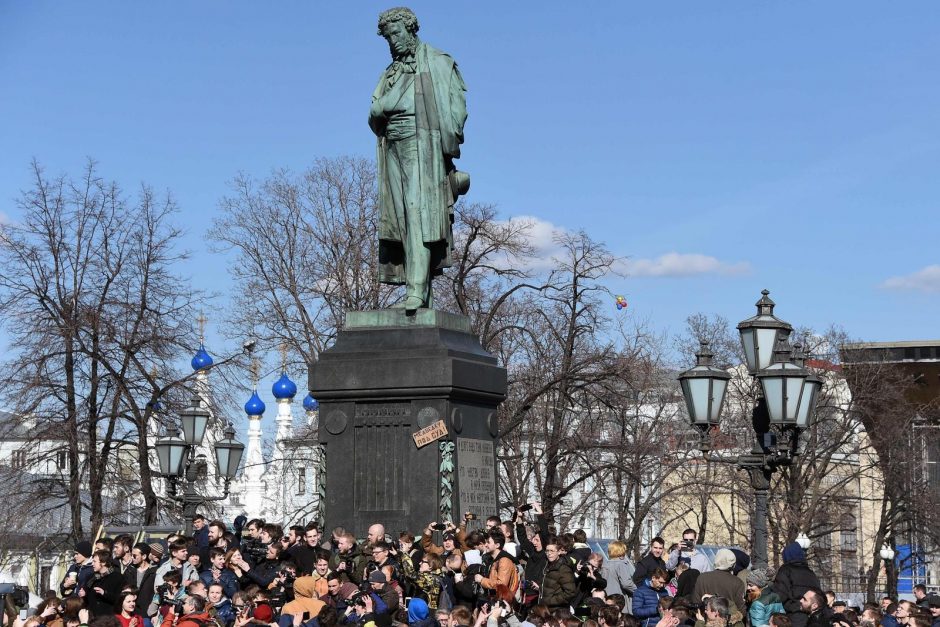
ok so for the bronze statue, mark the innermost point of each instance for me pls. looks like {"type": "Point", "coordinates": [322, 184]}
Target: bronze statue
{"type": "Point", "coordinates": [418, 113]}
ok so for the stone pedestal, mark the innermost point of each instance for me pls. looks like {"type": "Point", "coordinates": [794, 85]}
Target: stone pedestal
{"type": "Point", "coordinates": [389, 375]}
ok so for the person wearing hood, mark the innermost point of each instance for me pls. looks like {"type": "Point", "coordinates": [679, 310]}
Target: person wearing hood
{"type": "Point", "coordinates": [685, 584]}
{"type": "Point", "coordinates": [419, 615]}
{"type": "Point", "coordinates": [764, 601]}
{"type": "Point", "coordinates": [742, 565]}
{"type": "Point", "coordinates": [503, 577]}
{"type": "Point", "coordinates": [793, 580]}
{"type": "Point", "coordinates": [306, 603]}
{"type": "Point", "coordinates": [720, 582]}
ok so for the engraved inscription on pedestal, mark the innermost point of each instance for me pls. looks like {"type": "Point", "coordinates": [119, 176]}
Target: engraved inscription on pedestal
{"type": "Point", "coordinates": [382, 430]}
{"type": "Point", "coordinates": [476, 477]}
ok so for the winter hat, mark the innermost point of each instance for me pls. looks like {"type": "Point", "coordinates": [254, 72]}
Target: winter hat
{"type": "Point", "coordinates": [156, 550]}
{"type": "Point", "coordinates": [793, 552]}
{"type": "Point", "coordinates": [741, 561]}
{"type": "Point", "coordinates": [84, 548]}
{"type": "Point", "coordinates": [759, 577]}
{"type": "Point", "coordinates": [377, 576]}
{"type": "Point", "coordinates": [724, 560]}
{"type": "Point", "coordinates": [417, 610]}
{"type": "Point", "coordinates": [450, 536]}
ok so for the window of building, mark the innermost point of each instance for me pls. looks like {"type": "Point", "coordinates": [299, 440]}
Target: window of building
{"type": "Point", "coordinates": [62, 460]}
{"type": "Point", "coordinates": [301, 480]}
{"type": "Point", "coordinates": [848, 533]}
{"type": "Point", "coordinates": [19, 459]}
{"type": "Point", "coordinates": [850, 576]}
{"type": "Point", "coordinates": [932, 463]}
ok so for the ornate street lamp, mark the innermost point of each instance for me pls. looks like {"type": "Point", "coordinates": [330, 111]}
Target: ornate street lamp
{"type": "Point", "coordinates": [228, 454]}
{"type": "Point", "coordinates": [806, 413]}
{"type": "Point", "coordinates": [195, 419]}
{"type": "Point", "coordinates": [704, 387]}
{"type": "Point", "coordinates": [179, 462]}
{"type": "Point", "coordinates": [789, 396]}
{"type": "Point", "coordinates": [782, 384]}
{"type": "Point", "coordinates": [171, 451]}
{"type": "Point", "coordinates": [759, 334]}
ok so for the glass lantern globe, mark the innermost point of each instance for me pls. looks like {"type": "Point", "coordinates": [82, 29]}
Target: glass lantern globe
{"type": "Point", "coordinates": [704, 387]}
{"type": "Point", "coordinates": [760, 333]}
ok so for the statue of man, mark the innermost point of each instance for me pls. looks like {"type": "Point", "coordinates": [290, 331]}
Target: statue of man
{"type": "Point", "coordinates": [418, 112]}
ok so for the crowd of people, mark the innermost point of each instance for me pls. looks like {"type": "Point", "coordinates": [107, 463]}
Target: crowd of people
{"type": "Point", "coordinates": [507, 573]}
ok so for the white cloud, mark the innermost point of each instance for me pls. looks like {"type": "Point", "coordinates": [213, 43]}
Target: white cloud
{"type": "Point", "coordinates": [542, 236]}
{"type": "Point", "coordinates": [926, 279]}
{"type": "Point", "coordinates": [675, 264]}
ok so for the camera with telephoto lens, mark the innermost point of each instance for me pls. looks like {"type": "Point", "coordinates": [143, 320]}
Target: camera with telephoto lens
{"type": "Point", "coordinates": [439, 526]}
{"type": "Point", "coordinates": [524, 508]}
{"type": "Point", "coordinates": [255, 550]}
{"type": "Point", "coordinates": [19, 595]}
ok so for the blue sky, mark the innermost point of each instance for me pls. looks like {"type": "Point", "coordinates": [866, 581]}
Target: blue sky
{"type": "Point", "coordinates": [722, 147]}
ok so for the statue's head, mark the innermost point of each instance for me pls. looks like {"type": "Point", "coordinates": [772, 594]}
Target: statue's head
{"type": "Point", "coordinates": [399, 26]}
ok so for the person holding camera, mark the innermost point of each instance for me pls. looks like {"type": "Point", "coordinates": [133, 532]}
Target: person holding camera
{"type": "Point", "coordinates": [266, 571]}
{"type": "Point", "coordinates": [686, 552]}
{"type": "Point", "coordinates": [453, 539]}
{"type": "Point", "coordinates": [588, 577]}
{"type": "Point", "coordinates": [348, 560]}
{"type": "Point", "coordinates": [532, 549]}
{"type": "Point", "coordinates": [339, 592]}
{"type": "Point", "coordinates": [192, 613]}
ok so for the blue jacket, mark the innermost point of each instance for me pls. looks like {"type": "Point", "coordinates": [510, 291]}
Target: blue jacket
{"type": "Point", "coordinates": [646, 603]}
{"type": "Point", "coordinates": [761, 608]}
{"type": "Point", "coordinates": [224, 612]}
{"type": "Point", "coordinates": [227, 578]}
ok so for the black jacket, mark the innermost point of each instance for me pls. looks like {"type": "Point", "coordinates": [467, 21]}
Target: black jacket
{"type": "Point", "coordinates": [646, 566]}
{"type": "Point", "coordinates": [534, 560]}
{"type": "Point", "coordinates": [145, 589]}
{"type": "Point", "coordinates": [264, 573]}
{"type": "Point", "coordinates": [792, 581]}
{"type": "Point", "coordinates": [104, 603]}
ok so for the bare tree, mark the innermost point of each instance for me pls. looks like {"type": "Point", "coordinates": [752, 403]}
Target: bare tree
{"type": "Point", "coordinates": [306, 251]}
{"type": "Point", "coordinates": [96, 318]}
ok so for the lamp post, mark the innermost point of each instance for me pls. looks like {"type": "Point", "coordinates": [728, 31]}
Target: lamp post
{"type": "Point", "coordinates": [179, 462]}
{"type": "Point", "coordinates": [887, 555]}
{"type": "Point", "coordinates": [786, 406]}
{"type": "Point", "coordinates": [803, 540]}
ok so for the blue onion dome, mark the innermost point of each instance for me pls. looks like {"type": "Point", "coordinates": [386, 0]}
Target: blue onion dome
{"type": "Point", "coordinates": [284, 388]}
{"type": "Point", "coordinates": [310, 403]}
{"type": "Point", "coordinates": [201, 359]}
{"type": "Point", "coordinates": [254, 406]}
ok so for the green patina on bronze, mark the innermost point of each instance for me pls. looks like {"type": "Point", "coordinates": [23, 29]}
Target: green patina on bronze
{"type": "Point", "coordinates": [447, 480]}
{"type": "Point", "coordinates": [418, 113]}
